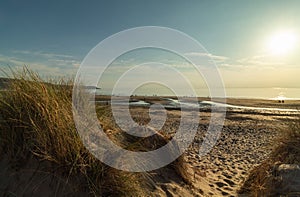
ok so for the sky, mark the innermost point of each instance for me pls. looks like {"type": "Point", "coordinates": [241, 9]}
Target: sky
{"type": "Point", "coordinates": [253, 43]}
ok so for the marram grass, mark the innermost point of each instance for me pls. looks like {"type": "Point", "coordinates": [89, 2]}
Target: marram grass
{"type": "Point", "coordinates": [36, 121]}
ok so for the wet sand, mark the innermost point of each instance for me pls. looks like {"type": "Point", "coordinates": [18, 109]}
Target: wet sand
{"type": "Point", "coordinates": [269, 103]}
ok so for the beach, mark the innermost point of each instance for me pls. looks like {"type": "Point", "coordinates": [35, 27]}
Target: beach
{"type": "Point", "coordinates": [250, 132]}
{"type": "Point", "coordinates": [150, 98]}
{"type": "Point", "coordinates": [246, 140]}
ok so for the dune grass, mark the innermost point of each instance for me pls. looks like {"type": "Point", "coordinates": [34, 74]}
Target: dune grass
{"type": "Point", "coordinates": [36, 121]}
{"type": "Point", "coordinates": [261, 181]}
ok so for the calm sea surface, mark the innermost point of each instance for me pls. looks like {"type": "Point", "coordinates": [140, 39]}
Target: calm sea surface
{"type": "Point", "coordinates": [258, 93]}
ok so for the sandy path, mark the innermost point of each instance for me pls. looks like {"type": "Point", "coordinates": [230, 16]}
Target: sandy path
{"type": "Point", "coordinates": [245, 141]}
{"type": "Point", "coordinates": [225, 168]}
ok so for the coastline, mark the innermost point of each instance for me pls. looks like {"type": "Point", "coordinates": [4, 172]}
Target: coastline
{"type": "Point", "coordinates": [243, 102]}
{"type": "Point", "coordinates": [246, 140]}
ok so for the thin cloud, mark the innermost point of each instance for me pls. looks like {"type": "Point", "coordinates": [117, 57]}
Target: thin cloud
{"type": "Point", "coordinates": [50, 59]}
{"type": "Point", "coordinates": [261, 60]}
{"type": "Point", "coordinates": [214, 57]}
{"type": "Point", "coordinates": [45, 68]}
{"type": "Point", "coordinates": [42, 54]}
{"type": "Point", "coordinates": [65, 62]}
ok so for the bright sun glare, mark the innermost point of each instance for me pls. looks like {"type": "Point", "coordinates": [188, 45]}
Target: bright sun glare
{"type": "Point", "coordinates": [282, 42]}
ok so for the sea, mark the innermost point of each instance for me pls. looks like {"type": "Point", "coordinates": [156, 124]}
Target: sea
{"type": "Point", "coordinates": [249, 93]}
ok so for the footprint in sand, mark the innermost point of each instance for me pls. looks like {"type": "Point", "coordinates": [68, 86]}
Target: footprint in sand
{"type": "Point", "coordinates": [227, 175]}
{"type": "Point", "coordinates": [228, 188]}
{"type": "Point", "coordinates": [231, 183]}
{"type": "Point", "coordinates": [223, 192]}
{"type": "Point", "coordinates": [221, 184]}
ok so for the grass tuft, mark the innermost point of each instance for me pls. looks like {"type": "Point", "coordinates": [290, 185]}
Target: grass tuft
{"type": "Point", "coordinates": [36, 120]}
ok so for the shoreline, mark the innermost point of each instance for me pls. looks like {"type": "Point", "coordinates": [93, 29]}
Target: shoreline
{"type": "Point", "coordinates": [230, 103]}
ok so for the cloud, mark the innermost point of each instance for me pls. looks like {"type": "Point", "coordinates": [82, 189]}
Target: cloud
{"type": "Point", "coordinates": [231, 66]}
{"type": "Point", "coordinates": [65, 62]}
{"type": "Point", "coordinates": [9, 60]}
{"type": "Point", "coordinates": [257, 70]}
{"type": "Point", "coordinates": [44, 66]}
{"type": "Point", "coordinates": [214, 57]}
{"type": "Point", "coordinates": [262, 60]}
{"type": "Point", "coordinates": [42, 54]}
{"type": "Point", "coordinates": [53, 58]}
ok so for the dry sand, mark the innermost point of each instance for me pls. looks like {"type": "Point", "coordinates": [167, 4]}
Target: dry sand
{"type": "Point", "coordinates": [245, 141]}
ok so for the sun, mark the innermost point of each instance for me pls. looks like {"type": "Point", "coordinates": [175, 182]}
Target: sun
{"type": "Point", "coordinates": [282, 42]}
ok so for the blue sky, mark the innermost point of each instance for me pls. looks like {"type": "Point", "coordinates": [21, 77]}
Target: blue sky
{"type": "Point", "coordinates": [53, 37]}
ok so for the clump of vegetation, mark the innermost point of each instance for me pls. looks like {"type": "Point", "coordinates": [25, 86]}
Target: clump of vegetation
{"type": "Point", "coordinates": [261, 181]}
{"type": "Point", "coordinates": [36, 121]}
{"type": "Point", "coordinates": [36, 124]}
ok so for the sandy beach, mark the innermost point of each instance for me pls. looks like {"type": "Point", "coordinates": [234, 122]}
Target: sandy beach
{"type": "Point", "coordinates": [150, 98]}
{"type": "Point", "coordinates": [246, 140]}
